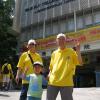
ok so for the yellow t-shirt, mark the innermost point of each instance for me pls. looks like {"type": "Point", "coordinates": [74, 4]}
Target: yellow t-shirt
{"type": "Point", "coordinates": [62, 67]}
{"type": "Point", "coordinates": [9, 68]}
{"type": "Point", "coordinates": [25, 61]}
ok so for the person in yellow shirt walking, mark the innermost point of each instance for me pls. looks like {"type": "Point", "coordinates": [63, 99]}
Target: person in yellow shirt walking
{"type": "Point", "coordinates": [27, 59]}
{"type": "Point", "coordinates": [1, 77]}
{"type": "Point", "coordinates": [6, 71]}
{"type": "Point", "coordinates": [62, 68]}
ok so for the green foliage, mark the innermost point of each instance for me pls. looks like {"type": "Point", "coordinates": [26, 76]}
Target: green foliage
{"type": "Point", "coordinates": [7, 39]}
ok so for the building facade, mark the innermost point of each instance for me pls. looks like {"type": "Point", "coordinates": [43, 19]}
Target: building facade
{"type": "Point", "coordinates": [78, 19]}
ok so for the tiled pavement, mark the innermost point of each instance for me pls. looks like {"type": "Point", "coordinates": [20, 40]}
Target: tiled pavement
{"type": "Point", "coordinates": [78, 94]}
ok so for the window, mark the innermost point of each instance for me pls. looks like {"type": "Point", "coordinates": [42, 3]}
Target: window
{"type": "Point", "coordinates": [22, 37]}
{"type": "Point", "coordinates": [35, 31]}
{"type": "Point", "coordinates": [63, 26]}
{"type": "Point", "coordinates": [88, 20]}
{"type": "Point", "coordinates": [55, 27]}
{"type": "Point", "coordinates": [28, 36]}
{"type": "Point", "coordinates": [48, 30]}
{"type": "Point", "coordinates": [97, 17]}
{"type": "Point", "coordinates": [79, 22]}
{"type": "Point", "coordinates": [23, 13]}
{"type": "Point", "coordinates": [29, 14]}
{"type": "Point", "coordinates": [23, 19]}
{"type": "Point", "coordinates": [40, 32]}
{"type": "Point", "coordinates": [71, 24]}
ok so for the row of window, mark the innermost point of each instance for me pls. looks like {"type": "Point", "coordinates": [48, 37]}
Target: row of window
{"type": "Point", "coordinates": [29, 7]}
{"type": "Point", "coordinates": [66, 25]}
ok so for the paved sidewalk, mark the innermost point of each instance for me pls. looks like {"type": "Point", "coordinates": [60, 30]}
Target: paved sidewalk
{"type": "Point", "coordinates": [82, 94]}
{"type": "Point", "coordinates": [78, 94]}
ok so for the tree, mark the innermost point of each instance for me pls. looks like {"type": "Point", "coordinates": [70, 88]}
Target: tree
{"type": "Point", "coordinates": [7, 39]}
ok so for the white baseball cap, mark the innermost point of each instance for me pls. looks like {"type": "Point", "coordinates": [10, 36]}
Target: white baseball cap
{"type": "Point", "coordinates": [31, 41]}
{"type": "Point", "coordinates": [61, 35]}
{"type": "Point", "coordinates": [38, 63]}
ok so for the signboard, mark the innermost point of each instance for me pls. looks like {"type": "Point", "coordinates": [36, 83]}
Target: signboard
{"type": "Point", "coordinates": [90, 46]}
{"type": "Point", "coordinates": [83, 36]}
{"type": "Point", "coordinates": [45, 5]}
{"type": "Point", "coordinates": [49, 4]}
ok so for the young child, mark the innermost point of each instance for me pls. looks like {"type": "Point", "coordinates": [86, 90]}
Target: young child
{"type": "Point", "coordinates": [36, 80]}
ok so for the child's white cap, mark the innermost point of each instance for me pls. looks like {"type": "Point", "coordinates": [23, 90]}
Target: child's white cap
{"type": "Point", "coordinates": [38, 63]}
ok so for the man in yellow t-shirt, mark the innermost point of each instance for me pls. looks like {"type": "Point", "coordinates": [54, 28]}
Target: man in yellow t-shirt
{"type": "Point", "coordinates": [6, 75]}
{"type": "Point", "coordinates": [62, 69]}
{"type": "Point", "coordinates": [26, 61]}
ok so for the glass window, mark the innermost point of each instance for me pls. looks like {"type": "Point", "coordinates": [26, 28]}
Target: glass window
{"type": "Point", "coordinates": [97, 17]}
{"type": "Point", "coordinates": [79, 22]}
{"type": "Point", "coordinates": [23, 19]}
{"type": "Point", "coordinates": [25, 5]}
{"type": "Point", "coordinates": [28, 34]}
{"type": "Point", "coordinates": [35, 31]}
{"type": "Point", "coordinates": [40, 33]}
{"type": "Point", "coordinates": [71, 25]}
{"type": "Point", "coordinates": [55, 28]}
{"type": "Point", "coordinates": [88, 19]}
{"type": "Point", "coordinates": [48, 30]}
{"type": "Point", "coordinates": [30, 2]}
{"type": "Point", "coordinates": [63, 26]}
{"type": "Point", "coordinates": [23, 13]}
{"type": "Point", "coordinates": [22, 36]}
{"type": "Point", "coordinates": [29, 18]}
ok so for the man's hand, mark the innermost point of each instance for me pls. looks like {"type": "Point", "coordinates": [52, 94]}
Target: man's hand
{"type": "Point", "coordinates": [18, 74]}
{"type": "Point", "coordinates": [77, 49]}
{"type": "Point", "coordinates": [77, 45]}
{"type": "Point", "coordinates": [17, 79]}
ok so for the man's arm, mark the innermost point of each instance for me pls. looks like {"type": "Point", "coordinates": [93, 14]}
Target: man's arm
{"type": "Point", "coordinates": [79, 54]}
{"type": "Point", "coordinates": [20, 66]}
{"type": "Point", "coordinates": [80, 58]}
{"type": "Point", "coordinates": [18, 75]}
{"type": "Point", "coordinates": [24, 74]}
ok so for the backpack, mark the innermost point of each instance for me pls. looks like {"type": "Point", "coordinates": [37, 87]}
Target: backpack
{"type": "Point", "coordinates": [6, 70]}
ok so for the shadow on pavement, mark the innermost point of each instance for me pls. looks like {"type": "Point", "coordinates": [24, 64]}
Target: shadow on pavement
{"type": "Point", "coordinates": [4, 95]}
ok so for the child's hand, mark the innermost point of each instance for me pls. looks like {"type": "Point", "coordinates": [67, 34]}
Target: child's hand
{"type": "Point", "coordinates": [26, 69]}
